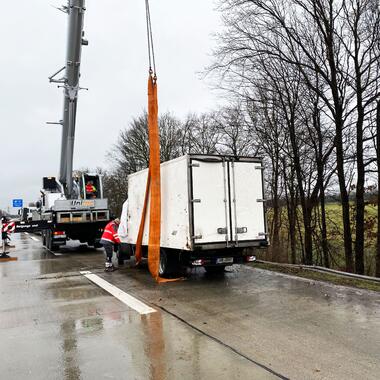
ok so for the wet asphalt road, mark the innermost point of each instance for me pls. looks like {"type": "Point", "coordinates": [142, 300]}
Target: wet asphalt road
{"type": "Point", "coordinates": [247, 324]}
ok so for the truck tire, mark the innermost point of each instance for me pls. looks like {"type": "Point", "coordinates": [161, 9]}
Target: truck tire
{"type": "Point", "coordinates": [94, 243]}
{"type": "Point", "coordinates": [54, 247]}
{"type": "Point", "coordinates": [164, 266]}
{"type": "Point", "coordinates": [124, 253]}
{"type": "Point", "coordinates": [169, 263]}
{"type": "Point", "coordinates": [216, 269]}
{"type": "Point", "coordinates": [48, 239]}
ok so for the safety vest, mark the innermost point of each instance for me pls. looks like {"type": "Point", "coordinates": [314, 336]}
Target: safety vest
{"type": "Point", "coordinates": [90, 189]}
{"type": "Point", "coordinates": [110, 233]}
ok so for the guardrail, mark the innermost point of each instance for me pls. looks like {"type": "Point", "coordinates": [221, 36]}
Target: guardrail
{"type": "Point", "coordinates": [317, 268]}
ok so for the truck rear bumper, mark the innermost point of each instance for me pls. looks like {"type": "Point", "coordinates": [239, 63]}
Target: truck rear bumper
{"type": "Point", "coordinates": [85, 232]}
{"type": "Point", "coordinates": [59, 241]}
{"type": "Point", "coordinates": [217, 258]}
{"type": "Point", "coordinates": [241, 244]}
{"type": "Point", "coordinates": [199, 257]}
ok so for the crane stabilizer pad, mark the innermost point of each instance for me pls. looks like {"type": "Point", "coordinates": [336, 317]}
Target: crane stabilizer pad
{"type": "Point", "coordinates": [37, 225]}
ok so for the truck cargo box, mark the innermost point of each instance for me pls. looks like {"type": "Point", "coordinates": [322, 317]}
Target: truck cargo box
{"type": "Point", "coordinates": [208, 202]}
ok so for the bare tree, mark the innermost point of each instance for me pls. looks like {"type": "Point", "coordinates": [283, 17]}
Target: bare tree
{"type": "Point", "coordinates": [333, 41]}
{"type": "Point", "coordinates": [270, 139]}
{"type": "Point", "coordinates": [200, 134]}
{"type": "Point", "coordinates": [360, 39]}
{"type": "Point", "coordinates": [378, 188]}
{"type": "Point", "coordinates": [235, 131]}
{"type": "Point", "coordinates": [131, 152]}
{"type": "Point", "coordinates": [115, 190]}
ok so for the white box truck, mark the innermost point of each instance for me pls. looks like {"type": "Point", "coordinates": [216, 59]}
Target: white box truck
{"type": "Point", "coordinates": [212, 207]}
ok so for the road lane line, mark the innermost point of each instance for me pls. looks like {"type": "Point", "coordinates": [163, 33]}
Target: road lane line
{"type": "Point", "coordinates": [54, 253]}
{"type": "Point", "coordinates": [126, 298]}
{"type": "Point", "coordinates": [34, 238]}
{"type": "Point", "coordinates": [26, 233]}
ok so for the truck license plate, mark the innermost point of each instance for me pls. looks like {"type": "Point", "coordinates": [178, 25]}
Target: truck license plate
{"type": "Point", "coordinates": [225, 260]}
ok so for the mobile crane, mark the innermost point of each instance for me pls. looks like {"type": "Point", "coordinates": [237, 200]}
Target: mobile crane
{"type": "Point", "coordinates": [66, 205]}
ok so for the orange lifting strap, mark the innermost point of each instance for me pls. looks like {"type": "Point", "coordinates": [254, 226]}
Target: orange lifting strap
{"type": "Point", "coordinates": [154, 153]}
{"type": "Point", "coordinates": [153, 196]}
{"type": "Point", "coordinates": [153, 189]}
{"type": "Point", "coordinates": [155, 180]}
{"type": "Point", "coordinates": [153, 183]}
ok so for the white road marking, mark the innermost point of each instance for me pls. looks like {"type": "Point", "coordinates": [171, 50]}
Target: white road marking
{"type": "Point", "coordinates": [126, 298]}
{"type": "Point", "coordinates": [54, 253]}
{"type": "Point", "coordinates": [26, 233]}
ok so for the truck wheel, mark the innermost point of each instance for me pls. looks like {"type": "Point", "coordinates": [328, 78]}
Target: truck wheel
{"type": "Point", "coordinates": [124, 251]}
{"type": "Point", "coordinates": [49, 239]}
{"type": "Point", "coordinates": [169, 263]}
{"type": "Point", "coordinates": [215, 270]}
{"type": "Point", "coordinates": [163, 268]}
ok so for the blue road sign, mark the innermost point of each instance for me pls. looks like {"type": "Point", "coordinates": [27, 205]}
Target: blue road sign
{"type": "Point", "coordinates": [17, 202]}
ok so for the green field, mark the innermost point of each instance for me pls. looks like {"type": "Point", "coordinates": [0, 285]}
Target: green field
{"type": "Point", "coordinates": [335, 236]}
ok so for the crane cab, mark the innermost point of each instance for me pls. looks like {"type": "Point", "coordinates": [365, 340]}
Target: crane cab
{"type": "Point", "coordinates": [89, 186]}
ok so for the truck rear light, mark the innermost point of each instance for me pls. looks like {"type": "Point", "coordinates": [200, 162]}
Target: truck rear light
{"type": "Point", "coordinates": [197, 262]}
{"type": "Point", "coordinates": [59, 233]}
{"type": "Point", "coordinates": [250, 258]}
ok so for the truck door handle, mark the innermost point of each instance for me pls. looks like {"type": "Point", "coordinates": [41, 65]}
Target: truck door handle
{"type": "Point", "coordinates": [241, 230]}
{"type": "Point", "coordinates": [222, 230]}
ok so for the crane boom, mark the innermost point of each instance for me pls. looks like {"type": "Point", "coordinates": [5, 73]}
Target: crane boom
{"type": "Point", "coordinates": [75, 10]}
{"type": "Point", "coordinates": [74, 207]}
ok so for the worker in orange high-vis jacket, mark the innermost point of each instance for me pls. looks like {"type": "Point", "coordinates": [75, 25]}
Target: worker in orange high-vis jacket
{"type": "Point", "coordinates": [110, 240]}
{"type": "Point", "coordinates": [90, 190]}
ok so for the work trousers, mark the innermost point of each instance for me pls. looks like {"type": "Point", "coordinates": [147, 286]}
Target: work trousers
{"type": "Point", "coordinates": [108, 248]}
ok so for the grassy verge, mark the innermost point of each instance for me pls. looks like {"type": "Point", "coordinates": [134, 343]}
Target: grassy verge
{"type": "Point", "coordinates": [319, 276]}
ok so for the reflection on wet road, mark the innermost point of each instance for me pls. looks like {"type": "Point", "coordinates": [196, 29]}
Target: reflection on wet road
{"type": "Point", "coordinates": [249, 324]}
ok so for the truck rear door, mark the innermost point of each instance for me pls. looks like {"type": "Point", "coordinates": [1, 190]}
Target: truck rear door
{"type": "Point", "coordinates": [247, 193]}
{"type": "Point", "coordinates": [209, 201]}
{"type": "Point", "coordinates": [227, 204]}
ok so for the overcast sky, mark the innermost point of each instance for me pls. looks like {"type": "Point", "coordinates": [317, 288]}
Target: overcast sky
{"type": "Point", "coordinates": [114, 68]}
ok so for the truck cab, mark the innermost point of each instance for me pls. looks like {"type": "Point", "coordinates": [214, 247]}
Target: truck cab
{"type": "Point", "coordinates": [90, 186]}
{"type": "Point", "coordinates": [82, 217]}
{"type": "Point", "coordinates": [27, 214]}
